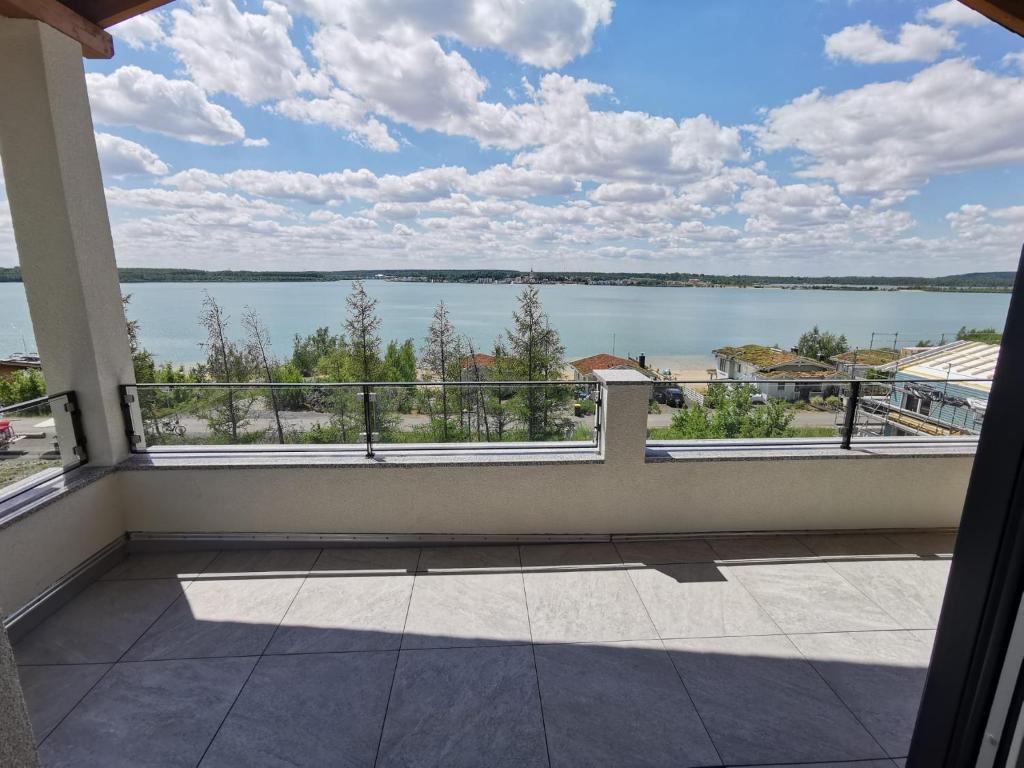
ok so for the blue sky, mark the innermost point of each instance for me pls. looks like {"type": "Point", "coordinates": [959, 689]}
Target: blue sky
{"type": "Point", "coordinates": [790, 137]}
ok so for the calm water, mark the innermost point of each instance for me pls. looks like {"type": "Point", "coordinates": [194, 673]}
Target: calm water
{"type": "Point", "coordinates": [675, 327]}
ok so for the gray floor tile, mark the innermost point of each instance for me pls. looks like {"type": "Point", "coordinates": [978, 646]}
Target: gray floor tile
{"type": "Point", "coordinates": [469, 559]}
{"type": "Point", "coordinates": [345, 613]}
{"type": "Point", "coordinates": [161, 713]}
{"type": "Point", "coordinates": [218, 617]}
{"type": "Point", "coordinates": [925, 543]}
{"type": "Point", "coordinates": [262, 561]}
{"type": "Point", "coordinates": [569, 555]}
{"type": "Point", "coordinates": [910, 591]}
{"type": "Point", "coordinates": [312, 709]}
{"type": "Point", "coordinates": [161, 565]}
{"type": "Point", "coordinates": [850, 545]}
{"type": "Point", "coordinates": [464, 707]}
{"type": "Point", "coordinates": [585, 606]}
{"type": "Point", "coordinates": [618, 704]}
{"type": "Point", "coordinates": [346, 560]}
{"type": "Point", "coordinates": [52, 692]}
{"type": "Point", "coordinates": [100, 624]}
{"type": "Point", "coordinates": [759, 548]}
{"type": "Point", "coordinates": [762, 702]}
{"type": "Point", "coordinates": [845, 764]}
{"type": "Point", "coordinates": [699, 600]}
{"type": "Point", "coordinates": [665, 551]}
{"type": "Point", "coordinates": [879, 675]}
{"type": "Point", "coordinates": [461, 609]}
{"type": "Point", "coordinates": [811, 597]}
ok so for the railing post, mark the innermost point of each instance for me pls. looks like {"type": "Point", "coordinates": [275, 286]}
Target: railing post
{"type": "Point", "coordinates": [624, 401]}
{"type": "Point", "coordinates": [367, 396]}
{"type": "Point", "coordinates": [851, 414]}
{"type": "Point", "coordinates": [131, 410]}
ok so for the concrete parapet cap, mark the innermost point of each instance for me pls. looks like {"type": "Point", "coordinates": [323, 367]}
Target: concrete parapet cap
{"type": "Point", "coordinates": [621, 376]}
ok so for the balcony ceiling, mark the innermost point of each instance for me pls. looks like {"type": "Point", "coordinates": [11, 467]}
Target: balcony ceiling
{"type": "Point", "coordinates": [84, 20]}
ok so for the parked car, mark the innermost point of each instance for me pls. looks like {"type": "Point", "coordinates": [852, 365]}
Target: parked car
{"type": "Point", "coordinates": [672, 396]}
{"type": "Point", "coordinates": [759, 398]}
{"type": "Point", "coordinates": [7, 435]}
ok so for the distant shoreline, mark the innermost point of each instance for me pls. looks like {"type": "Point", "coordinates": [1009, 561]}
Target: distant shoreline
{"type": "Point", "coordinates": [975, 282]}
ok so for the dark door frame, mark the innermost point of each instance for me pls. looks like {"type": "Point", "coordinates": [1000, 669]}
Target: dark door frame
{"type": "Point", "coordinates": [986, 578]}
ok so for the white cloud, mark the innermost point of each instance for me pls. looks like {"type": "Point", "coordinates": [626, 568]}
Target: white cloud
{"type": "Point", "coordinates": [405, 76]}
{"type": "Point", "coordinates": [340, 111]}
{"type": "Point", "coordinates": [954, 13]}
{"type": "Point", "coordinates": [895, 135]}
{"type": "Point", "coordinates": [545, 33]}
{"type": "Point", "coordinates": [1014, 60]}
{"type": "Point", "coordinates": [628, 192]}
{"type": "Point", "coordinates": [131, 96]}
{"type": "Point", "coordinates": [264, 142]}
{"type": "Point", "coordinates": [248, 55]}
{"type": "Point", "coordinates": [121, 157]}
{"type": "Point", "coordinates": [866, 44]}
{"type": "Point", "coordinates": [142, 31]}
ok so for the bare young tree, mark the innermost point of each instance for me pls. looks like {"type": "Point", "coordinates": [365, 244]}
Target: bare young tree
{"type": "Point", "coordinates": [225, 362]}
{"type": "Point", "coordinates": [442, 355]}
{"type": "Point", "coordinates": [363, 328]}
{"type": "Point", "coordinates": [257, 346]}
{"type": "Point", "coordinates": [477, 372]}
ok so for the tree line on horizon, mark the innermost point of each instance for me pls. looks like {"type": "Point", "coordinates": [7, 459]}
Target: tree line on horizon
{"type": "Point", "coordinates": [976, 280]}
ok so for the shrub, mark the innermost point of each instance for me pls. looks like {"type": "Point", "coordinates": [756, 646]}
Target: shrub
{"type": "Point", "coordinates": [834, 401]}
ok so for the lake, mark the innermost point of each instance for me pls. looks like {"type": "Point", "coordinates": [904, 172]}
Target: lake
{"type": "Point", "coordinates": [675, 327]}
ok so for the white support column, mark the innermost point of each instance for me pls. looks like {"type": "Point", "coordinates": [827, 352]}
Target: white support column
{"type": "Point", "coordinates": [61, 227]}
{"type": "Point", "coordinates": [624, 415]}
{"type": "Point", "coordinates": [17, 744]}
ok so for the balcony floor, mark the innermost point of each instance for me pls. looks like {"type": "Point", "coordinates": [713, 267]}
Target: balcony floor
{"type": "Point", "coordinates": [691, 652]}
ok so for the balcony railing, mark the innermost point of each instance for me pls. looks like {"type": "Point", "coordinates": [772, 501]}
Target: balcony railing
{"type": "Point", "coordinates": [361, 416]}
{"type": "Point", "coordinates": [372, 416]}
{"type": "Point", "coordinates": [817, 411]}
{"type": "Point", "coordinates": [39, 440]}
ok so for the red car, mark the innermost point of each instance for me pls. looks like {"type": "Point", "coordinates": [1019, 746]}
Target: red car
{"type": "Point", "coordinates": [6, 433]}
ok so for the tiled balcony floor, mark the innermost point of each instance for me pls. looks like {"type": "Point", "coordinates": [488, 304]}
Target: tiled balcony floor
{"type": "Point", "coordinates": [735, 651]}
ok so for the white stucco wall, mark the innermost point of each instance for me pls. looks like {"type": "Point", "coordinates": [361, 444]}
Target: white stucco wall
{"type": "Point", "coordinates": [39, 548]}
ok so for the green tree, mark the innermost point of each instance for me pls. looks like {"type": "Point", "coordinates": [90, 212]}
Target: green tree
{"type": "Point", "coordinates": [442, 356]}
{"type": "Point", "coordinates": [821, 345]}
{"type": "Point", "coordinates": [226, 362]}
{"type": "Point", "coordinates": [26, 384]}
{"type": "Point", "coordinates": [307, 352]}
{"type": "Point", "coordinates": [258, 350]}
{"type": "Point", "coordinates": [984, 335]}
{"type": "Point", "coordinates": [363, 328]}
{"type": "Point", "coordinates": [535, 353]}
{"type": "Point", "coordinates": [400, 361]}
{"type": "Point", "coordinates": [732, 416]}
{"type": "Point", "coordinates": [142, 360]}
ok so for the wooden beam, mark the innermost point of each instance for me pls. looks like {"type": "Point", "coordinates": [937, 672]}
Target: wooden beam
{"type": "Point", "coordinates": [107, 13]}
{"type": "Point", "coordinates": [96, 44]}
{"type": "Point", "coordinates": [1008, 13]}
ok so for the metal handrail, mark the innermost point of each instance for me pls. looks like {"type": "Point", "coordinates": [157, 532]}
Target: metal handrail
{"type": "Point", "coordinates": [357, 384]}
{"type": "Point", "coordinates": [33, 402]}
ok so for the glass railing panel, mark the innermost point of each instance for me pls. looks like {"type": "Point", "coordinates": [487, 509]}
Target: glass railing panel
{"type": "Point", "coordinates": [39, 439]}
{"type": "Point", "coordinates": [428, 413]}
{"type": "Point", "coordinates": [246, 415]}
{"type": "Point", "coordinates": [162, 416]}
{"type": "Point", "coordinates": [818, 410]}
{"type": "Point", "coordinates": [790, 409]}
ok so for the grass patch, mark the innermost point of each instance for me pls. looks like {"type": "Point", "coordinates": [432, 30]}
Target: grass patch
{"type": "Point", "coordinates": [11, 471]}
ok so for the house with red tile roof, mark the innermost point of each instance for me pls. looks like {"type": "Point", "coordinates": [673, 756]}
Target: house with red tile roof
{"type": "Point", "coordinates": [583, 369]}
